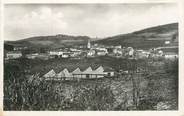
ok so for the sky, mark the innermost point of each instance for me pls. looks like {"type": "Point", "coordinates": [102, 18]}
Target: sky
{"type": "Point", "coordinates": [95, 20]}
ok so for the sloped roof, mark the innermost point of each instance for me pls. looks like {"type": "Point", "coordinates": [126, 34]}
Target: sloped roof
{"type": "Point", "coordinates": [100, 69]}
{"type": "Point", "coordinates": [61, 74]}
{"type": "Point", "coordinates": [51, 73]}
{"type": "Point", "coordinates": [66, 73]}
{"type": "Point", "coordinates": [76, 71]}
{"type": "Point", "coordinates": [88, 70]}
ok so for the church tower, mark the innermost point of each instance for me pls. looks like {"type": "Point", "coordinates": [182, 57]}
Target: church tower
{"type": "Point", "coordinates": [89, 44]}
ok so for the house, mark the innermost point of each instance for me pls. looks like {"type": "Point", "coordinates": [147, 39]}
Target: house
{"type": "Point", "coordinates": [13, 54]}
{"type": "Point", "coordinates": [160, 52]}
{"type": "Point", "coordinates": [43, 56]}
{"type": "Point", "coordinates": [119, 46]}
{"type": "Point", "coordinates": [101, 52]}
{"type": "Point", "coordinates": [19, 48]}
{"type": "Point", "coordinates": [167, 42]}
{"type": "Point", "coordinates": [50, 75]}
{"type": "Point", "coordinates": [66, 55]}
{"type": "Point", "coordinates": [170, 55]}
{"type": "Point", "coordinates": [32, 56]}
{"type": "Point", "coordinates": [56, 52]}
{"type": "Point", "coordinates": [91, 52]}
{"type": "Point", "coordinates": [141, 54]}
{"type": "Point", "coordinates": [117, 51]}
{"type": "Point", "coordinates": [130, 51]}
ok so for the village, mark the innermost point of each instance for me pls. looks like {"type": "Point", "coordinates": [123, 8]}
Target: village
{"type": "Point", "coordinates": [89, 51]}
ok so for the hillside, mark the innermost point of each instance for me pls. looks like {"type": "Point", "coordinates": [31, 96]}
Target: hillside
{"type": "Point", "coordinates": [50, 41]}
{"type": "Point", "coordinates": [147, 38]}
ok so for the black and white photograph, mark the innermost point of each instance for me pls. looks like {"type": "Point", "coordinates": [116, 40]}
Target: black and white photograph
{"type": "Point", "coordinates": [91, 57]}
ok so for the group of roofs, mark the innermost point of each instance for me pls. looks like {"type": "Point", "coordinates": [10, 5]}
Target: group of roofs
{"type": "Point", "coordinates": [78, 73]}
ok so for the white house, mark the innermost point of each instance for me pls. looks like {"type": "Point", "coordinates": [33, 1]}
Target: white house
{"type": "Point", "coordinates": [167, 42]}
{"type": "Point", "coordinates": [32, 56]}
{"type": "Point", "coordinates": [19, 48]}
{"type": "Point", "coordinates": [66, 55]}
{"type": "Point", "coordinates": [14, 55]}
{"type": "Point", "coordinates": [117, 51]}
{"type": "Point", "coordinates": [130, 51]}
{"type": "Point", "coordinates": [101, 52]}
{"type": "Point", "coordinates": [119, 46]}
{"type": "Point", "coordinates": [56, 52]}
{"type": "Point", "coordinates": [91, 52]}
{"type": "Point", "coordinates": [170, 55]}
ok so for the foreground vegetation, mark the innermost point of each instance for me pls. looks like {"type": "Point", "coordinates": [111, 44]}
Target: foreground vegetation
{"type": "Point", "coordinates": [154, 89]}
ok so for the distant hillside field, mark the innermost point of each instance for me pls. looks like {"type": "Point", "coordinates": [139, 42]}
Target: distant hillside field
{"type": "Point", "coordinates": [144, 39]}
{"type": "Point", "coordinates": [147, 38]}
{"type": "Point", "coordinates": [50, 41]}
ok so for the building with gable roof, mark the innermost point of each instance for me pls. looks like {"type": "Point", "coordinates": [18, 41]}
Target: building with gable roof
{"type": "Point", "coordinates": [88, 73]}
{"type": "Point", "coordinates": [13, 54]}
{"type": "Point", "coordinates": [50, 75]}
{"type": "Point", "coordinates": [77, 74]}
{"type": "Point", "coordinates": [67, 74]}
{"type": "Point", "coordinates": [60, 76]}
